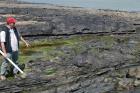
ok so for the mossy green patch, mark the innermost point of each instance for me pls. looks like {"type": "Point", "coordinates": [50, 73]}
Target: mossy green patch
{"type": "Point", "coordinates": [45, 49]}
{"type": "Point", "coordinates": [50, 71]}
{"type": "Point", "coordinates": [108, 41]}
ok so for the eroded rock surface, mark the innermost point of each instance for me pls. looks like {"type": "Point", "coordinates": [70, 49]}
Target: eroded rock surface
{"type": "Point", "coordinates": [104, 63]}
{"type": "Point", "coordinates": [43, 19]}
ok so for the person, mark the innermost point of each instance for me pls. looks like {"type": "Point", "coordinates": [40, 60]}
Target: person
{"type": "Point", "coordinates": [9, 39]}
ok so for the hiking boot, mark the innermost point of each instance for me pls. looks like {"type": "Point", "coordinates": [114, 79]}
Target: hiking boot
{"type": "Point", "coordinates": [16, 76]}
{"type": "Point", "coordinates": [22, 67]}
{"type": "Point", "coordinates": [2, 77]}
{"type": "Point", "coordinates": [20, 76]}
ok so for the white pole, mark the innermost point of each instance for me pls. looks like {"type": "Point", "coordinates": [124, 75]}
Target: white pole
{"type": "Point", "coordinates": [12, 63]}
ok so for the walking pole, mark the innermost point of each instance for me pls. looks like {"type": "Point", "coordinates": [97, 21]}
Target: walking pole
{"type": "Point", "coordinates": [23, 74]}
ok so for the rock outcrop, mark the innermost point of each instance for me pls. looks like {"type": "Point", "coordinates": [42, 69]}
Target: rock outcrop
{"type": "Point", "coordinates": [102, 55]}
{"type": "Point", "coordinates": [55, 20]}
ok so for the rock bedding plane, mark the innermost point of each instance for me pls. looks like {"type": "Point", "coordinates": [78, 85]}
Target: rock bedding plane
{"type": "Point", "coordinates": [87, 50]}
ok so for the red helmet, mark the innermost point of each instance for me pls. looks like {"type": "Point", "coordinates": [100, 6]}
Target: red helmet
{"type": "Point", "coordinates": [10, 20]}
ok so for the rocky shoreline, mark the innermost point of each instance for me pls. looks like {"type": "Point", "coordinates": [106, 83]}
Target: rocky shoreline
{"type": "Point", "coordinates": [56, 20]}
{"type": "Point", "coordinates": [75, 50]}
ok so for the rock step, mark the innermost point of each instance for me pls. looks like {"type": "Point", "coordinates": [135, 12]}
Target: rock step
{"type": "Point", "coordinates": [24, 23]}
